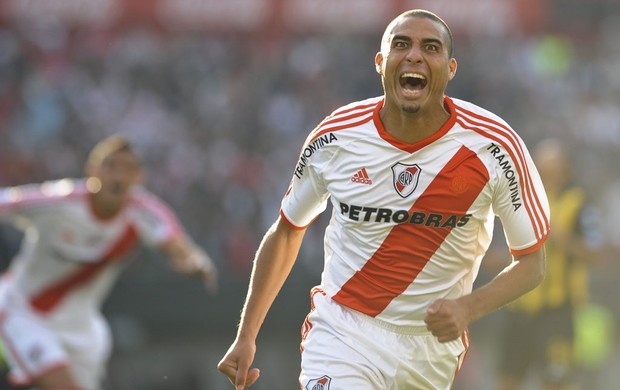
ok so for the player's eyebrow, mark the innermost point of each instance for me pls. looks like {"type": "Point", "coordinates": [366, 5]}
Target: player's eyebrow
{"type": "Point", "coordinates": [406, 38]}
{"type": "Point", "coordinates": [401, 38]}
{"type": "Point", "coordinates": [436, 41]}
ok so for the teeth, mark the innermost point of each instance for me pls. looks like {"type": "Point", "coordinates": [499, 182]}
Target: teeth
{"type": "Point", "coordinates": [413, 75]}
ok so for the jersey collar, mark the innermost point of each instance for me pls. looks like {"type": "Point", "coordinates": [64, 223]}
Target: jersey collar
{"type": "Point", "coordinates": [411, 148]}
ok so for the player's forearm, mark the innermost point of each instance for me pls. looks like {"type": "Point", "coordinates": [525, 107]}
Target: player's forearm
{"type": "Point", "coordinates": [521, 276]}
{"type": "Point", "coordinates": [274, 260]}
{"type": "Point", "coordinates": [187, 257]}
{"type": "Point", "coordinates": [177, 249]}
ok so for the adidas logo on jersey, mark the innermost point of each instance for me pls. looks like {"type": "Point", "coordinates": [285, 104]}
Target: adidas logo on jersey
{"type": "Point", "coordinates": [361, 177]}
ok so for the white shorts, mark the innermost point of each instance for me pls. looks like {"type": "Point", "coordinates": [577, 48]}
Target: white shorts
{"type": "Point", "coordinates": [344, 349]}
{"type": "Point", "coordinates": [33, 349]}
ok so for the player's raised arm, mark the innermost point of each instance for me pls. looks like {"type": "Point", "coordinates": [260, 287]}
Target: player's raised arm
{"type": "Point", "coordinates": [273, 262]}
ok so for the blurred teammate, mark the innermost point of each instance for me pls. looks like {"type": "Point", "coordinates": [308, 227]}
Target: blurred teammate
{"type": "Point", "coordinates": [539, 333]}
{"type": "Point", "coordinates": [76, 234]}
{"type": "Point", "coordinates": [414, 178]}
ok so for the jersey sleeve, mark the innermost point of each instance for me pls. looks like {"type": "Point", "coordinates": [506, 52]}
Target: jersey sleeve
{"type": "Point", "coordinates": [154, 219]}
{"type": "Point", "coordinates": [307, 194]}
{"type": "Point", "coordinates": [28, 200]}
{"type": "Point", "coordinates": [520, 200]}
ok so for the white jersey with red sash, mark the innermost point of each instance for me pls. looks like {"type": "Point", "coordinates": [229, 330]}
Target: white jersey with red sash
{"type": "Point", "coordinates": [67, 263]}
{"type": "Point", "coordinates": [411, 222]}
{"type": "Point", "coordinates": [68, 258]}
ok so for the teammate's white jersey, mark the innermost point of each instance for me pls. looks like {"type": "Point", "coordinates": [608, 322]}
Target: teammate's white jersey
{"type": "Point", "coordinates": [69, 257]}
{"type": "Point", "coordinates": [411, 222]}
{"type": "Point", "coordinates": [51, 296]}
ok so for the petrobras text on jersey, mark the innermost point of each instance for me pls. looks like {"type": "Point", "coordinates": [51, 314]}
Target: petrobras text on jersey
{"type": "Point", "coordinates": [384, 215]}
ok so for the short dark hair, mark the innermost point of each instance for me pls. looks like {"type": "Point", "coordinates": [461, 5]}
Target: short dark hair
{"type": "Point", "coordinates": [422, 13]}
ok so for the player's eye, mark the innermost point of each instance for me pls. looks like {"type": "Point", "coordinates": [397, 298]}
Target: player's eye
{"type": "Point", "coordinates": [399, 45]}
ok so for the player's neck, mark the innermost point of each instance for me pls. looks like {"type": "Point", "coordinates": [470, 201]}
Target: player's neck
{"type": "Point", "coordinates": [413, 127]}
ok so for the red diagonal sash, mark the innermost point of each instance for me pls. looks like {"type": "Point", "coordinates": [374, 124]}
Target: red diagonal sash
{"type": "Point", "coordinates": [408, 247]}
{"type": "Point", "coordinates": [48, 298]}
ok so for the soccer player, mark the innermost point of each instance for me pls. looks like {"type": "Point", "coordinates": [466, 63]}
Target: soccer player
{"type": "Point", "coordinates": [414, 178]}
{"type": "Point", "coordinates": [540, 326]}
{"type": "Point", "coordinates": [77, 233]}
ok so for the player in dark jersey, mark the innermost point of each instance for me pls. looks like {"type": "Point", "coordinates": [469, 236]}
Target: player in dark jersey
{"type": "Point", "coordinates": [539, 332]}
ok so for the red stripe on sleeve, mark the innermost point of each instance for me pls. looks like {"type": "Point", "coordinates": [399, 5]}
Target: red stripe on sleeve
{"type": "Point", "coordinates": [47, 299]}
{"type": "Point", "coordinates": [408, 247]}
{"type": "Point", "coordinates": [322, 130]}
{"type": "Point", "coordinates": [488, 128]}
{"type": "Point", "coordinates": [338, 117]}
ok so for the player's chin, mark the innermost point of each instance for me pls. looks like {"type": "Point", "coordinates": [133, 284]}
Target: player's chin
{"type": "Point", "coordinates": [118, 190]}
{"type": "Point", "coordinates": [117, 196]}
{"type": "Point", "coordinates": [410, 104]}
{"type": "Point", "coordinates": [410, 108]}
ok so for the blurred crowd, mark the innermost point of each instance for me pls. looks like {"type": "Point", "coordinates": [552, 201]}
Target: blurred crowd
{"type": "Point", "coordinates": [219, 119]}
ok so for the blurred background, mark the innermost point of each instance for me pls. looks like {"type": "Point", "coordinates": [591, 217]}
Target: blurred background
{"type": "Point", "coordinates": [219, 97]}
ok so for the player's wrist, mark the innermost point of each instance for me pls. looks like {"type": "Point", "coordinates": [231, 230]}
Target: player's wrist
{"type": "Point", "coordinates": [467, 302]}
{"type": "Point", "coordinates": [246, 336]}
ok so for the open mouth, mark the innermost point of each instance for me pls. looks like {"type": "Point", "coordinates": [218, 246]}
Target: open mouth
{"type": "Point", "coordinates": [413, 81]}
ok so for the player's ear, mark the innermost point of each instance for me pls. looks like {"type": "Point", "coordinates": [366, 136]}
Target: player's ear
{"type": "Point", "coordinates": [379, 63]}
{"type": "Point", "coordinates": [452, 68]}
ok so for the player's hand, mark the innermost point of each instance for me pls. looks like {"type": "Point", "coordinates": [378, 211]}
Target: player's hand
{"type": "Point", "coordinates": [206, 270]}
{"type": "Point", "coordinates": [198, 264]}
{"type": "Point", "coordinates": [446, 319]}
{"type": "Point", "coordinates": [236, 365]}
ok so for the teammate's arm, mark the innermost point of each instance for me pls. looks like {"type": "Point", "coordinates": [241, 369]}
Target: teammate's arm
{"type": "Point", "coordinates": [188, 258]}
{"type": "Point", "coordinates": [447, 319]}
{"type": "Point", "coordinates": [273, 262]}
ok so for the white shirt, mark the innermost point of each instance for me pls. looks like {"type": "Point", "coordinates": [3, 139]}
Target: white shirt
{"type": "Point", "coordinates": [69, 257]}
{"type": "Point", "coordinates": [411, 222]}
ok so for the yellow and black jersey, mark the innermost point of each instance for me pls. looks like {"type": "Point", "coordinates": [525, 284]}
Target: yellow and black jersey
{"type": "Point", "coordinates": [566, 280]}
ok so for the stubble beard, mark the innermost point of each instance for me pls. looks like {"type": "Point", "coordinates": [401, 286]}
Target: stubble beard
{"type": "Point", "coordinates": [410, 109]}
